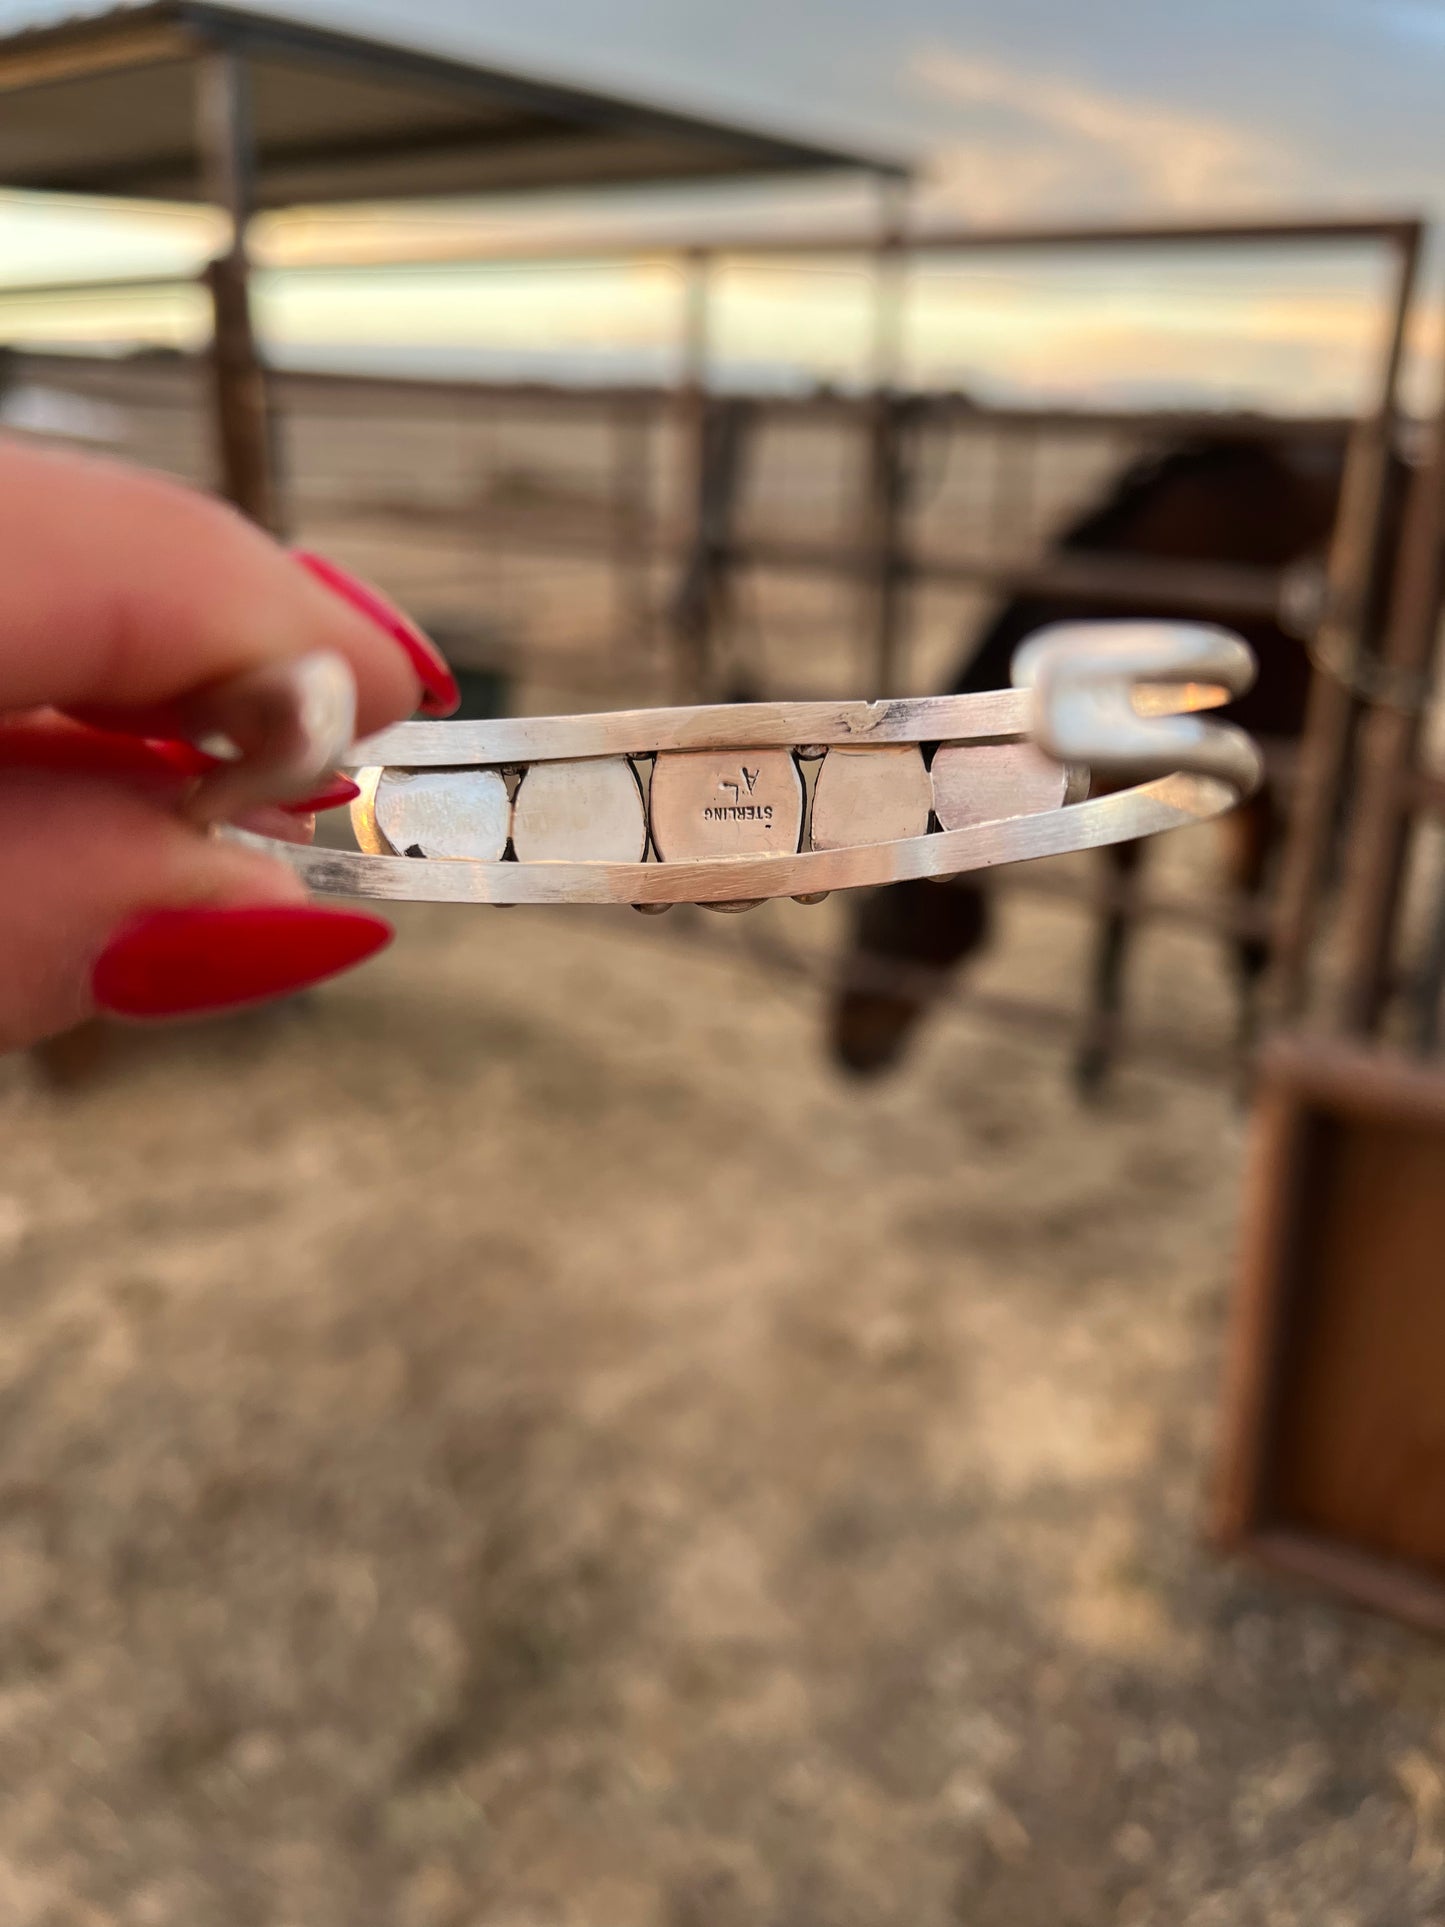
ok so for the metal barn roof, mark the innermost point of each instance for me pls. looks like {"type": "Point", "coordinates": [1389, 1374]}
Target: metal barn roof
{"type": "Point", "coordinates": [106, 105]}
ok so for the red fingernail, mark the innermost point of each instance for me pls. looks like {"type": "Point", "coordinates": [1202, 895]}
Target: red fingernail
{"type": "Point", "coordinates": [339, 790]}
{"type": "Point", "coordinates": [72, 749]}
{"type": "Point", "coordinates": [440, 685]}
{"type": "Point", "coordinates": [175, 963]}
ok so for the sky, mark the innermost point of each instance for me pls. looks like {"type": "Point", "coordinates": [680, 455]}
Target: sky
{"type": "Point", "coordinates": [1026, 106]}
{"type": "Point", "coordinates": [1016, 110]}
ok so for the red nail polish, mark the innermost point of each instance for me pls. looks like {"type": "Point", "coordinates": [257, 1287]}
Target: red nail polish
{"type": "Point", "coordinates": [440, 685]}
{"type": "Point", "coordinates": [72, 749]}
{"type": "Point", "coordinates": [175, 963]}
{"type": "Point", "coordinates": [339, 790]}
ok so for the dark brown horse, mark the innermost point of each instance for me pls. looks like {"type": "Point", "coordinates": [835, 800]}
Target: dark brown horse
{"type": "Point", "coordinates": [1223, 501]}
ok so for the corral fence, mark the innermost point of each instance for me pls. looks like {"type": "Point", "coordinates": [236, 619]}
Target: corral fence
{"type": "Point", "coordinates": [598, 546]}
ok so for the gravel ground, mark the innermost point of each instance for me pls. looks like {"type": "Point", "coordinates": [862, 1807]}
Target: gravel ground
{"type": "Point", "coordinates": [514, 1441]}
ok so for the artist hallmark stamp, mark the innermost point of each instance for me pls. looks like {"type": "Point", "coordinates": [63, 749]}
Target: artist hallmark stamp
{"type": "Point", "coordinates": [739, 807]}
{"type": "Point", "coordinates": [725, 803]}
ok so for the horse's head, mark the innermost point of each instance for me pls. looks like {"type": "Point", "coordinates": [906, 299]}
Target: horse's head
{"type": "Point", "coordinates": [904, 942]}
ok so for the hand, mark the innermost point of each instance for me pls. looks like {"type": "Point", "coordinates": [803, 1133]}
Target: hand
{"type": "Point", "coordinates": [123, 596]}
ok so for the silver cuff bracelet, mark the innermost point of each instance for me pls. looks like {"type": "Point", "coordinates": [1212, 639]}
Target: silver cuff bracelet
{"type": "Point", "coordinates": [732, 804]}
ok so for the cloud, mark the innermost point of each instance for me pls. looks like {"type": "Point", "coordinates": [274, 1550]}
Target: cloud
{"type": "Point", "coordinates": [1163, 341]}
{"type": "Point", "coordinates": [1045, 139]}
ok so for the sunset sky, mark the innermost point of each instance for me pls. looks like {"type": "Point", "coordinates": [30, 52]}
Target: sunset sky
{"type": "Point", "coordinates": [1034, 109]}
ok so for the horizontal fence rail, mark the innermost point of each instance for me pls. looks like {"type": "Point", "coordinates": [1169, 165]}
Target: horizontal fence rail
{"type": "Point", "coordinates": [621, 544]}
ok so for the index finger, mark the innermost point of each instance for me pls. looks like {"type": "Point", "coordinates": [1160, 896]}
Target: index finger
{"type": "Point", "coordinates": [124, 590]}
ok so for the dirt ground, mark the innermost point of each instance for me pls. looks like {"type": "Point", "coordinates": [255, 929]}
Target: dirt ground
{"type": "Point", "coordinates": [515, 1441]}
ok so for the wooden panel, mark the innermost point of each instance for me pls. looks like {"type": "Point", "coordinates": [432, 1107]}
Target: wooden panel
{"type": "Point", "coordinates": [1360, 1450]}
{"type": "Point", "coordinates": [1332, 1464]}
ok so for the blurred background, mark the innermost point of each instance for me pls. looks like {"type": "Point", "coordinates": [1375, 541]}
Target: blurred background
{"type": "Point", "coordinates": [926, 1414]}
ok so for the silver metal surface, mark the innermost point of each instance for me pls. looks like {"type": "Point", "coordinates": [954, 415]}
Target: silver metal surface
{"type": "Point", "coordinates": [440, 813]}
{"type": "Point", "coordinates": [725, 804]}
{"type": "Point", "coordinates": [510, 740]}
{"type": "Point", "coordinates": [873, 796]}
{"type": "Point", "coordinates": [1116, 696]}
{"type": "Point", "coordinates": [1106, 694]}
{"type": "Point", "coordinates": [589, 811]}
{"type": "Point", "coordinates": [982, 782]}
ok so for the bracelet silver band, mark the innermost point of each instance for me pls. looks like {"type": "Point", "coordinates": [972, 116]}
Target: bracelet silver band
{"type": "Point", "coordinates": [732, 804]}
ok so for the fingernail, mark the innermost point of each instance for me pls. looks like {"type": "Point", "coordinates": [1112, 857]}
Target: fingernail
{"type": "Point", "coordinates": [440, 685]}
{"type": "Point", "coordinates": [176, 963]}
{"type": "Point", "coordinates": [73, 749]}
{"type": "Point", "coordinates": [339, 790]}
{"type": "Point", "coordinates": [290, 722]}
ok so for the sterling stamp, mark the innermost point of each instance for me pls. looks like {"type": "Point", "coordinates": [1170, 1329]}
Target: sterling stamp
{"type": "Point", "coordinates": [710, 803]}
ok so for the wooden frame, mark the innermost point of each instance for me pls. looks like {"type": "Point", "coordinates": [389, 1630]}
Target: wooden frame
{"type": "Point", "coordinates": [1344, 1228]}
